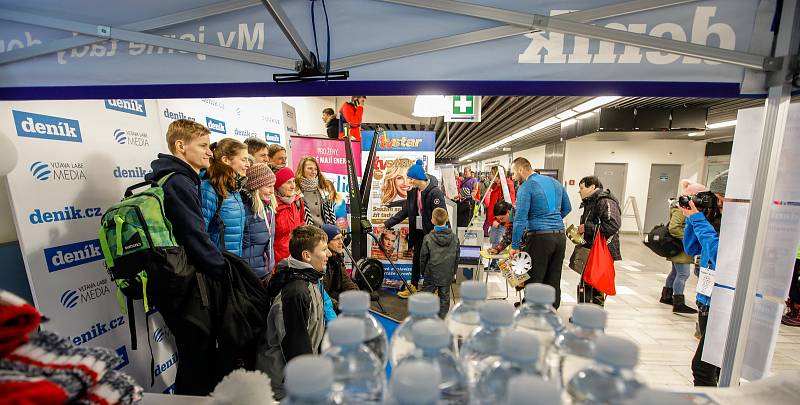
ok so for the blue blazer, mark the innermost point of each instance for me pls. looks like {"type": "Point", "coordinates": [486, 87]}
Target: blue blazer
{"type": "Point", "coordinates": [233, 216]}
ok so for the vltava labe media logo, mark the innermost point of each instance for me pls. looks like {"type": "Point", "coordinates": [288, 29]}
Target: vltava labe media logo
{"type": "Point", "coordinates": [131, 138]}
{"type": "Point", "coordinates": [86, 292]}
{"type": "Point", "coordinates": [58, 171]}
{"type": "Point", "coordinates": [31, 125]}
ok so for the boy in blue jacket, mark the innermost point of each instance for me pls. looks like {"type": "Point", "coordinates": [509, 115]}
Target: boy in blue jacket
{"type": "Point", "coordinates": [701, 237]}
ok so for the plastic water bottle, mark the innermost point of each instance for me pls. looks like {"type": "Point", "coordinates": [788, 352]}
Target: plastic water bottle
{"type": "Point", "coordinates": [421, 306]}
{"type": "Point", "coordinates": [537, 315]}
{"type": "Point", "coordinates": [647, 396]}
{"type": "Point", "coordinates": [610, 380]}
{"type": "Point", "coordinates": [433, 342]}
{"type": "Point", "coordinates": [308, 381]}
{"type": "Point", "coordinates": [355, 304]}
{"type": "Point", "coordinates": [414, 383]}
{"type": "Point", "coordinates": [520, 356]}
{"type": "Point", "coordinates": [527, 389]}
{"type": "Point", "coordinates": [482, 348]}
{"type": "Point", "coordinates": [574, 349]}
{"type": "Point", "coordinates": [358, 375]}
{"type": "Point", "coordinates": [464, 317]}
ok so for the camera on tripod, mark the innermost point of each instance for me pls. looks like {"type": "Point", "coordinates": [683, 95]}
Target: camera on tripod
{"type": "Point", "coordinates": [703, 200]}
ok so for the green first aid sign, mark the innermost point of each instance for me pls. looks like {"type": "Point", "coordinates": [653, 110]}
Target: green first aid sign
{"type": "Point", "coordinates": [463, 109]}
{"type": "Point", "coordinates": [463, 104]}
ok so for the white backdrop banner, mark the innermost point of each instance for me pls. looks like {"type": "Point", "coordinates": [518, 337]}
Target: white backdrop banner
{"type": "Point", "coordinates": [76, 159]}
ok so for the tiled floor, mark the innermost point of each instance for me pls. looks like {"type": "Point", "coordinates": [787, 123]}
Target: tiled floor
{"type": "Point", "coordinates": [665, 339]}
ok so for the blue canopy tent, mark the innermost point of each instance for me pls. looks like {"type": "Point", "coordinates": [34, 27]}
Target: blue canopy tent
{"type": "Point", "coordinates": [168, 49]}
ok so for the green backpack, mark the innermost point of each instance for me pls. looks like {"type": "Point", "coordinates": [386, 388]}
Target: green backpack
{"type": "Point", "coordinates": [135, 236]}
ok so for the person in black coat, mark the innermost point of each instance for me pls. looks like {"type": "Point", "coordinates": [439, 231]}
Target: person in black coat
{"type": "Point", "coordinates": [418, 210]}
{"type": "Point", "coordinates": [331, 123]}
{"type": "Point", "coordinates": [600, 211]}
{"type": "Point", "coordinates": [336, 280]}
{"type": "Point", "coordinates": [189, 143]}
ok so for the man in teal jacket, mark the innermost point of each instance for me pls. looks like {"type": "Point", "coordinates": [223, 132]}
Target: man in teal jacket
{"type": "Point", "coordinates": [701, 237]}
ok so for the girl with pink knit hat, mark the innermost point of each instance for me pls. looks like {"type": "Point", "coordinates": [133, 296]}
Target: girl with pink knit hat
{"type": "Point", "coordinates": [672, 292]}
{"type": "Point", "coordinates": [259, 233]}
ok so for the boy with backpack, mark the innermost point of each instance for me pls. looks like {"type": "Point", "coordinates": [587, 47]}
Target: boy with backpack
{"type": "Point", "coordinates": [185, 316]}
{"type": "Point", "coordinates": [439, 259]}
{"type": "Point", "coordinates": [296, 320]}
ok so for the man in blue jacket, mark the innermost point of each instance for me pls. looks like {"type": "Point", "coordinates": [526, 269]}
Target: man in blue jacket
{"type": "Point", "coordinates": [189, 142]}
{"type": "Point", "coordinates": [542, 204]}
{"type": "Point", "coordinates": [701, 237]}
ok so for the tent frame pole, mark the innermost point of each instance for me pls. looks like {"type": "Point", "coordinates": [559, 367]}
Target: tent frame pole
{"type": "Point", "coordinates": [776, 116]}
{"type": "Point", "coordinates": [290, 32]}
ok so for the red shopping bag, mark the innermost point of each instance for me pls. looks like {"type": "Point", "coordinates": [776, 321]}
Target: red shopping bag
{"type": "Point", "coordinates": [599, 272]}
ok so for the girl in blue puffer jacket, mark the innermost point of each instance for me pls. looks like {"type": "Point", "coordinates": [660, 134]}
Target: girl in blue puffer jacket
{"type": "Point", "coordinates": [258, 244]}
{"type": "Point", "coordinates": [220, 191]}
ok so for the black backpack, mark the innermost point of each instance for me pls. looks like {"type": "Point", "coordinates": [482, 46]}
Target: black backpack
{"type": "Point", "coordinates": [662, 243]}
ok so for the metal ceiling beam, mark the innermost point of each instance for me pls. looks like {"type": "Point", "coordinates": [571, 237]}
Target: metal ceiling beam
{"type": "Point", "coordinates": [145, 25]}
{"type": "Point", "coordinates": [570, 24]}
{"type": "Point", "coordinates": [289, 31]}
{"type": "Point", "coordinates": [521, 24]}
{"type": "Point", "coordinates": [106, 32]}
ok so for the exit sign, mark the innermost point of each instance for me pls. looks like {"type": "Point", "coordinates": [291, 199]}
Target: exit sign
{"type": "Point", "coordinates": [463, 109]}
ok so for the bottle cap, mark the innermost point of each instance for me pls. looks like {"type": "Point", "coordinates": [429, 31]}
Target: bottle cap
{"type": "Point", "coordinates": [540, 294]}
{"type": "Point", "coordinates": [589, 316]}
{"type": "Point", "coordinates": [519, 346]}
{"type": "Point", "coordinates": [354, 301]}
{"type": "Point", "coordinates": [423, 304]}
{"type": "Point", "coordinates": [344, 331]}
{"type": "Point", "coordinates": [309, 376]}
{"type": "Point", "coordinates": [528, 389]}
{"type": "Point", "coordinates": [431, 334]}
{"type": "Point", "coordinates": [616, 352]}
{"type": "Point", "coordinates": [415, 382]}
{"type": "Point", "coordinates": [497, 313]}
{"type": "Point", "coordinates": [473, 290]}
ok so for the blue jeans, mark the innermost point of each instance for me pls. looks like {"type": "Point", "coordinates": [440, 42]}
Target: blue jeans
{"type": "Point", "coordinates": [677, 277]}
{"type": "Point", "coordinates": [495, 236]}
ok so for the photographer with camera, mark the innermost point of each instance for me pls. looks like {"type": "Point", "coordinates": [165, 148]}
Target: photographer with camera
{"type": "Point", "coordinates": [352, 112]}
{"type": "Point", "coordinates": [703, 213]}
{"type": "Point", "coordinates": [672, 292]}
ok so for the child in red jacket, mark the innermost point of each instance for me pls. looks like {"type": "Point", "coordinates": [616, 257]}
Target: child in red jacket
{"type": "Point", "coordinates": [351, 113]}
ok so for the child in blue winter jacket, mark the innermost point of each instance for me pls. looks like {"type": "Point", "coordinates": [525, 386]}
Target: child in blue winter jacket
{"type": "Point", "coordinates": [701, 237]}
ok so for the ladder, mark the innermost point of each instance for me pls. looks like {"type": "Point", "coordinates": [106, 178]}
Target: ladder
{"type": "Point", "coordinates": [631, 202]}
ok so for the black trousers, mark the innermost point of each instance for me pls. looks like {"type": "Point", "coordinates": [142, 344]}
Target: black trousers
{"type": "Point", "coordinates": [705, 374]}
{"type": "Point", "coordinates": [547, 254]}
{"type": "Point", "coordinates": [794, 289]}
{"type": "Point", "coordinates": [415, 266]}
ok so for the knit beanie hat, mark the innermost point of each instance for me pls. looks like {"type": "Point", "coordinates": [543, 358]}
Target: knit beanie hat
{"type": "Point", "coordinates": [719, 184]}
{"type": "Point", "coordinates": [282, 176]}
{"type": "Point", "coordinates": [417, 172]}
{"type": "Point", "coordinates": [331, 230]}
{"type": "Point", "coordinates": [690, 188]}
{"type": "Point", "coordinates": [259, 175]}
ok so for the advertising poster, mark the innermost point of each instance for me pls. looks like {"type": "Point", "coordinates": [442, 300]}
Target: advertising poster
{"type": "Point", "coordinates": [332, 158]}
{"type": "Point", "coordinates": [237, 118]}
{"type": "Point", "coordinates": [395, 153]}
{"type": "Point", "coordinates": [76, 160]}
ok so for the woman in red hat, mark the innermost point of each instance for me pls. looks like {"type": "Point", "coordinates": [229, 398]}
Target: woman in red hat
{"type": "Point", "coordinates": [289, 213]}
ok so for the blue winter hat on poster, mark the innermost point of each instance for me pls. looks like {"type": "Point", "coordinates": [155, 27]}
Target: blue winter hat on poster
{"type": "Point", "coordinates": [417, 172]}
{"type": "Point", "coordinates": [331, 230]}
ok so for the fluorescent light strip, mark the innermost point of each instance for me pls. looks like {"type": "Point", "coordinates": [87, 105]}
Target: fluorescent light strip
{"type": "Point", "coordinates": [696, 133]}
{"type": "Point", "coordinates": [722, 124]}
{"type": "Point", "coordinates": [581, 108]}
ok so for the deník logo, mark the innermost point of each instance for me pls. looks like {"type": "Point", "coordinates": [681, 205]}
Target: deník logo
{"type": "Point", "coordinates": [40, 171]}
{"type": "Point", "coordinates": [120, 136]}
{"type": "Point", "coordinates": [69, 299]}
